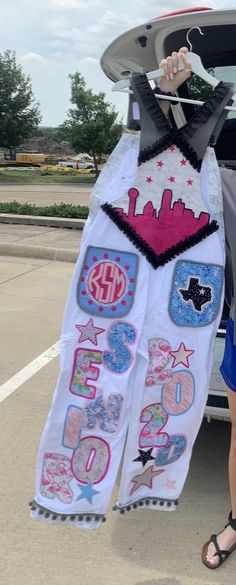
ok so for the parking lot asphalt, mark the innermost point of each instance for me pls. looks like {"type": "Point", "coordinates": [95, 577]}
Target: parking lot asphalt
{"type": "Point", "coordinates": [141, 548]}
{"type": "Point", "coordinates": [44, 195]}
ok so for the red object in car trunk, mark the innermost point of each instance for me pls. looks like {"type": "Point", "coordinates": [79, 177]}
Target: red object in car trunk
{"type": "Point", "coordinates": [184, 11]}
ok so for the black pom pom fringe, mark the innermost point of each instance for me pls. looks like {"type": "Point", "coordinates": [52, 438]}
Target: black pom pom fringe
{"type": "Point", "coordinates": [146, 250]}
{"type": "Point", "coordinates": [202, 114]}
{"type": "Point", "coordinates": [145, 94]}
{"type": "Point", "coordinates": [146, 97]}
{"type": "Point", "coordinates": [160, 503]}
{"type": "Point", "coordinates": [173, 137]}
{"type": "Point", "coordinates": [179, 137]}
{"type": "Point", "coordinates": [44, 512]}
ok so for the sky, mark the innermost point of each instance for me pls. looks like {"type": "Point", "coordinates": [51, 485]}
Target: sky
{"type": "Point", "coordinates": [55, 38]}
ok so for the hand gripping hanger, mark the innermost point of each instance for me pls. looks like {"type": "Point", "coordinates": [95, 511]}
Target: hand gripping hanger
{"type": "Point", "coordinates": [196, 67]}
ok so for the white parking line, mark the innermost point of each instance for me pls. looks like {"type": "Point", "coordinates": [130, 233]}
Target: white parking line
{"type": "Point", "coordinates": [28, 371]}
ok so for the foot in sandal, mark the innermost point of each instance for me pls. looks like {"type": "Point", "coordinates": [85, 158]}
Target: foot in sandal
{"type": "Point", "coordinates": [219, 547]}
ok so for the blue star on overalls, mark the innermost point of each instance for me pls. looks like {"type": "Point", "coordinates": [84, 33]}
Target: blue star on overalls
{"type": "Point", "coordinates": [87, 492]}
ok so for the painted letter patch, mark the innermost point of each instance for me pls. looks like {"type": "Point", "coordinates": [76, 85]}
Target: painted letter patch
{"type": "Point", "coordinates": [56, 477]}
{"type": "Point", "coordinates": [196, 293]}
{"type": "Point", "coordinates": [107, 282]}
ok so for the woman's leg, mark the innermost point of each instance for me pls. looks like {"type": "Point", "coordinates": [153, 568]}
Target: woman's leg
{"type": "Point", "coordinates": [228, 536]}
{"type": "Point", "coordinates": [232, 453]}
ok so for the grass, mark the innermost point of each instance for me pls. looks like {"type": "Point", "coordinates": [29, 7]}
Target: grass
{"type": "Point", "coordinates": [39, 177]}
{"type": "Point", "coordinates": [61, 210]}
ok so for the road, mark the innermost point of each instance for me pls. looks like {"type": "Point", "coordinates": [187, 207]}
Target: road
{"type": "Point", "coordinates": [141, 548]}
{"type": "Point", "coordinates": [44, 195]}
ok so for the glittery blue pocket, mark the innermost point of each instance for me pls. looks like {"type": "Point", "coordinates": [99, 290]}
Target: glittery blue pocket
{"type": "Point", "coordinates": [196, 293]}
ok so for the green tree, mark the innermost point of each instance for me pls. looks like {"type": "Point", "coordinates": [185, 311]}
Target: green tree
{"type": "Point", "coordinates": [19, 112]}
{"type": "Point", "coordinates": [92, 123]}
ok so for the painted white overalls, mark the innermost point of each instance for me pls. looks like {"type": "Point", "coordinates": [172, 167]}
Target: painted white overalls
{"type": "Point", "coordinates": [140, 323]}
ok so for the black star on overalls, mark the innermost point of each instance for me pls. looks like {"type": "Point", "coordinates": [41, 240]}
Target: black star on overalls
{"type": "Point", "coordinates": [144, 456]}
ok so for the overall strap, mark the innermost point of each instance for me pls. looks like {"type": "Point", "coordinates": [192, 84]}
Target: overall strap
{"type": "Point", "coordinates": [154, 124]}
{"type": "Point", "coordinates": [206, 123]}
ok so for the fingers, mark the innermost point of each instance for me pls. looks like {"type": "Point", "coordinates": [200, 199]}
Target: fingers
{"type": "Point", "coordinates": [170, 65]}
{"type": "Point", "coordinates": [176, 70]}
{"type": "Point", "coordinates": [183, 50]}
{"type": "Point", "coordinates": [165, 66]}
{"type": "Point", "coordinates": [175, 62]}
{"type": "Point", "coordinates": [186, 61]}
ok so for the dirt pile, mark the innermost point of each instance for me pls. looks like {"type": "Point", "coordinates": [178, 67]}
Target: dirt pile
{"type": "Point", "coordinates": [47, 146]}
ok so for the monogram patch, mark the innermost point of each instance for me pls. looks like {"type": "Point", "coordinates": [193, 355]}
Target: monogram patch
{"type": "Point", "coordinates": [107, 282]}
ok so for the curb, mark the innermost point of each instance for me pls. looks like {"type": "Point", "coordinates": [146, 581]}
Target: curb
{"type": "Point", "coordinates": [59, 222]}
{"type": "Point", "coordinates": [25, 251]}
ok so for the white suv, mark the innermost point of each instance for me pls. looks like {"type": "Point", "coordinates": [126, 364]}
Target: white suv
{"type": "Point", "coordinates": [141, 49]}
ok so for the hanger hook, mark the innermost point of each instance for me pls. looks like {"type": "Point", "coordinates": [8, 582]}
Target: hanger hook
{"type": "Point", "coordinates": [188, 33]}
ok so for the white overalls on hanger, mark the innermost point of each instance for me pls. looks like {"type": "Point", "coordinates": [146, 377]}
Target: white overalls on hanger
{"type": "Point", "coordinates": [139, 328]}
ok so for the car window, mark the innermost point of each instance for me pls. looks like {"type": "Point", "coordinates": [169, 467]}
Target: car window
{"type": "Point", "coordinates": [216, 49]}
{"type": "Point", "coordinates": [227, 73]}
{"type": "Point", "coordinates": [196, 88]}
{"type": "Point", "coordinates": [199, 89]}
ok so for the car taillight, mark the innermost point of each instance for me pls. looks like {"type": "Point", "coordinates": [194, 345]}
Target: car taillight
{"type": "Point", "coordinates": [184, 11]}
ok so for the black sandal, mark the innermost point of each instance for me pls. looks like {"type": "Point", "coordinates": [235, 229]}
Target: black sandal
{"type": "Point", "coordinates": [222, 554]}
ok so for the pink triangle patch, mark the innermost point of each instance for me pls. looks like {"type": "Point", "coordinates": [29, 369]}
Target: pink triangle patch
{"type": "Point", "coordinates": [164, 233]}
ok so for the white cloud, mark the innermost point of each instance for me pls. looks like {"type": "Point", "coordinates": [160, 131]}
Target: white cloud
{"type": "Point", "coordinates": [90, 40]}
{"type": "Point", "coordinates": [57, 44]}
{"type": "Point", "coordinates": [104, 27]}
{"type": "Point", "coordinates": [90, 61]}
{"type": "Point", "coordinates": [61, 23]}
{"type": "Point", "coordinates": [33, 58]}
{"type": "Point", "coordinates": [53, 38]}
{"type": "Point", "coordinates": [73, 4]}
{"type": "Point", "coordinates": [113, 22]}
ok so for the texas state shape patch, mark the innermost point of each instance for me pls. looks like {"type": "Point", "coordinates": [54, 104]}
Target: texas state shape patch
{"type": "Point", "coordinates": [107, 282]}
{"type": "Point", "coordinates": [196, 293]}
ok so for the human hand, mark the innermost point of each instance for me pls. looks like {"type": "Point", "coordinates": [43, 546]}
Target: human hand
{"type": "Point", "coordinates": [177, 68]}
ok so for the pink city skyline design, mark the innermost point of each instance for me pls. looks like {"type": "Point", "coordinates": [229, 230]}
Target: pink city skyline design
{"type": "Point", "coordinates": [164, 228]}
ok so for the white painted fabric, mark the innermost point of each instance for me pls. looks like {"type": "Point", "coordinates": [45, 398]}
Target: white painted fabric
{"type": "Point", "coordinates": [136, 356]}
